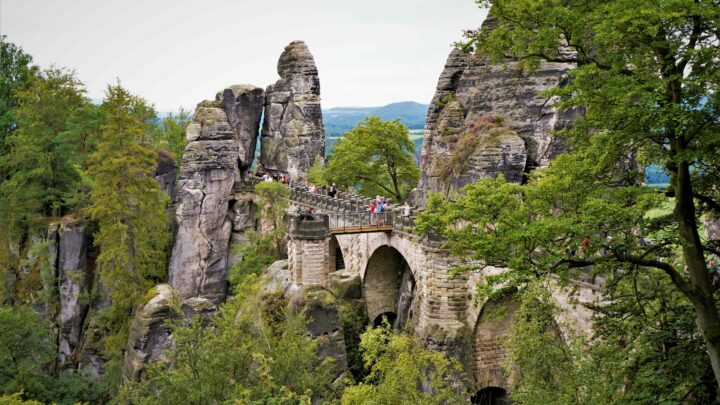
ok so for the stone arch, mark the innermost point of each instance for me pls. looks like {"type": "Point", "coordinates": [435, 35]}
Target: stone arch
{"type": "Point", "coordinates": [389, 287]}
{"type": "Point", "coordinates": [491, 396]}
{"type": "Point", "coordinates": [337, 259]}
{"type": "Point", "coordinates": [489, 356]}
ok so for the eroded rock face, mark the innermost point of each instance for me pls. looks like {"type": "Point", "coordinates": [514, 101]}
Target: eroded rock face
{"type": "Point", "coordinates": [470, 88]}
{"type": "Point", "coordinates": [149, 333]}
{"type": "Point", "coordinates": [293, 135]}
{"type": "Point", "coordinates": [209, 168]}
{"type": "Point", "coordinates": [324, 326]}
{"type": "Point", "coordinates": [74, 281]}
{"type": "Point", "coordinates": [243, 105]}
{"type": "Point", "coordinates": [166, 173]}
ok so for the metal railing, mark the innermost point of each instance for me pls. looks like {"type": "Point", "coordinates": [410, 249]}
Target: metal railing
{"type": "Point", "coordinates": [361, 221]}
{"type": "Point", "coordinates": [348, 211]}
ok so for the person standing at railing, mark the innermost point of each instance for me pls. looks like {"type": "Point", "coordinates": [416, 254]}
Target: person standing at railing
{"type": "Point", "coordinates": [379, 209]}
{"type": "Point", "coordinates": [406, 210]}
{"type": "Point", "coordinates": [373, 207]}
{"type": "Point", "coordinates": [333, 191]}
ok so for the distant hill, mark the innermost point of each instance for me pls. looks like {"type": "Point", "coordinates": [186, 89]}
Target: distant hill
{"type": "Point", "coordinates": [342, 119]}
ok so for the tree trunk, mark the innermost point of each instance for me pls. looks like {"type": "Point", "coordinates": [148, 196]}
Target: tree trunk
{"type": "Point", "coordinates": [707, 317]}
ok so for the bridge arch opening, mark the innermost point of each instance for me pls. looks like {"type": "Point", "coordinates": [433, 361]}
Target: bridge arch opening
{"type": "Point", "coordinates": [337, 261]}
{"type": "Point", "coordinates": [491, 396]}
{"type": "Point", "coordinates": [389, 288]}
{"type": "Point", "coordinates": [390, 317]}
{"type": "Point", "coordinates": [495, 321]}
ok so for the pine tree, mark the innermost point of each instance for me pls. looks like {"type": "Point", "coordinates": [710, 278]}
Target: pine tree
{"type": "Point", "coordinates": [38, 178]}
{"type": "Point", "coordinates": [129, 208]}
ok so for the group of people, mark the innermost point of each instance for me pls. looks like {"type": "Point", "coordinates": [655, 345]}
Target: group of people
{"type": "Point", "coordinates": [377, 207]}
{"type": "Point", "coordinates": [305, 214]}
{"type": "Point", "coordinates": [311, 188]}
{"type": "Point", "coordinates": [279, 177]}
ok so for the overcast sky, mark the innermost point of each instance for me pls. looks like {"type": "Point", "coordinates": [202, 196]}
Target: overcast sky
{"type": "Point", "coordinates": [179, 52]}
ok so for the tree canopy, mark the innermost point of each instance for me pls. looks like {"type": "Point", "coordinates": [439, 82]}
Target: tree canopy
{"type": "Point", "coordinates": [377, 156]}
{"type": "Point", "coordinates": [129, 207]}
{"type": "Point", "coordinates": [647, 83]}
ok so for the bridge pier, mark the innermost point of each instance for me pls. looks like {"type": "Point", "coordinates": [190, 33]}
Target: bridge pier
{"type": "Point", "coordinates": [308, 250]}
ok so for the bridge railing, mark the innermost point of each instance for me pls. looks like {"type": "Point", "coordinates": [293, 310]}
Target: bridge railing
{"type": "Point", "coordinates": [365, 221]}
{"type": "Point", "coordinates": [346, 209]}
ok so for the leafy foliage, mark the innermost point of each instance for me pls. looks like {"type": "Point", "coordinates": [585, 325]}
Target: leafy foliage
{"type": "Point", "coordinates": [377, 156]}
{"type": "Point", "coordinates": [37, 172]}
{"type": "Point", "coordinates": [27, 359]}
{"type": "Point", "coordinates": [24, 350]}
{"type": "Point", "coordinates": [170, 134]}
{"type": "Point", "coordinates": [16, 71]}
{"type": "Point", "coordinates": [129, 208]}
{"type": "Point", "coordinates": [242, 356]}
{"type": "Point", "coordinates": [402, 371]}
{"type": "Point", "coordinates": [646, 81]}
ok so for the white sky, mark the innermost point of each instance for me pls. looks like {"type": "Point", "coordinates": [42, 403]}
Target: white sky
{"type": "Point", "coordinates": [179, 52]}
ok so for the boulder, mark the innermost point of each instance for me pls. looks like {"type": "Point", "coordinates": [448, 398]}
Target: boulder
{"type": "Point", "coordinates": [293, 135]}
{"type": "Point", "coordinates": [454, 339]}
{"type": "Point", "coordinates": [346, 285]}
{"type": "Point", "coordinates": [471, 87]}
{"type": "Point", "coordinates": [324, 324]}
{"type": "Point", "coordinates": [149, 333]}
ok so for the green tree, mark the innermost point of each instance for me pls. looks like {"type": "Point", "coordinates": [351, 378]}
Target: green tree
{"type": "Point", "coordinates": [25, 350]}
{"type": "Point", "coordinates": [376, 155]}
{"type": "Point", "coordinates": [647, 83]}
{"type": "Point", "coordinates": [170, 134]}
{"type": "Point", "coordinates": [40, 179]}
{"type": "Point", "coordinates": [129, 208]}
{"type": "Point", "coordinates": [27, 362]}
{"type": "Point", "coordinates": [403, 371]}
{"type": "Point", "coordinates": [40, 173]}
{"type": "Point", "coordinates": [16, 71]}
{"type": "Point", "coordinates": [316, 174]}
{"type": "Point", "coordinates": [254, 351]}
{"type": "Point", "coordinates": [273, 200]}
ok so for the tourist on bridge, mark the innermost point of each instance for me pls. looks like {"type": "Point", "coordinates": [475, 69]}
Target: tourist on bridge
{"type": "Point", "coordinates": [379, 209]}
{"type": "Point", "coordinates": [333, 191]}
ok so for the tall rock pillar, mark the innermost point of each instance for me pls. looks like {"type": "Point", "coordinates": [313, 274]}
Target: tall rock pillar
{"type": "Point", "coordinates": [221, 143]}
{"type": "Point", "coordinates": [293, 135]}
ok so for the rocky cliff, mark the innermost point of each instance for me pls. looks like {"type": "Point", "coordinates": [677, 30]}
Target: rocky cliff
{"type": "Point", "coordinates": [470, 90]}
{"type": "Point", "coordinates": [293, 135]}
{"type": "Point", "coordinates": [221, 144]}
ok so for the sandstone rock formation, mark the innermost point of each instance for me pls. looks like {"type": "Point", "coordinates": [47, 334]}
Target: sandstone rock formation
{"type": "Point", "coordinates": [221, 146]}
{"type": "Point", "coordinates": [198, 265]}
{"type": "Point", "coordinates": [149, 333]}
{"type": "Point", "coordinates": [166, 173]}
{"type": "Point", "coordinates": [471, 87]}
{"type": "Point", "coordinates": [293, 135]}
{"type": "Point", "coordinates": [68, 253]}
{"type": "Point", "coordinates": [243, 105]}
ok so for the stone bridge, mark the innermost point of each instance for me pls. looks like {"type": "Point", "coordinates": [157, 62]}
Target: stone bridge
{"type": "Point", "coordinates": [409, 279]}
